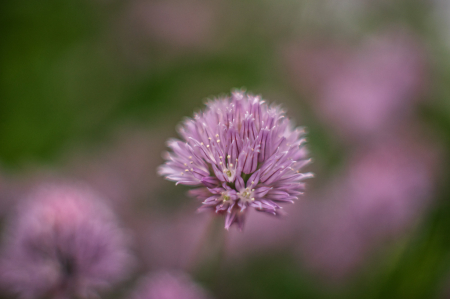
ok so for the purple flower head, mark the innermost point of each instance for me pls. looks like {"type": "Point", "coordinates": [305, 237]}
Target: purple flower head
{"type": "Point", "coordinates": [168, 285]}
{"type": "Point", "coordinates": [63, 242]}
{"type": "Point", "coordinates": [241, 153]}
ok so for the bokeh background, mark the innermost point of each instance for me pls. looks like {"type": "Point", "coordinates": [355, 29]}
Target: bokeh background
{"type": "Point", "coordinates": [91, 90]}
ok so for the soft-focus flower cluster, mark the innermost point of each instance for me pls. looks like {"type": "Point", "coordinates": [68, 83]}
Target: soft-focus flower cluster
{"type": "Point", "coordinates": [242, 153]}
{"type": "Point", "coordinates": [366, 96]}
{"type": "Point", "coordinates": [168, 285]}
{"type": "Point", "coordinates": [382, 194]}
{"type": "Point", "coordinates": [361, 92]}
{"type": "Point", "coordinates": [63, 242]}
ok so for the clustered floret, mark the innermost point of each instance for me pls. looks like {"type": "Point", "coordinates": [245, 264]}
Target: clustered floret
{"type": "Point", "coordinates": [243, 153]}
{"type": "Point", "coordinates": [63, 242]}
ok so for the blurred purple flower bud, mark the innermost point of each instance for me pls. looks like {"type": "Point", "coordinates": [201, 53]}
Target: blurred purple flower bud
{"type": "Point", "coordinates": [168, 285]}
{"type": "Point", "coordinates": [63, 242]}
{"type": "Point", "coordinates": [244, 153]}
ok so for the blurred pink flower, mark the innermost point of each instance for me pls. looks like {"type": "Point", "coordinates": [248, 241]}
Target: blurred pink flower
{"type": "Point", "coordinates": [382, 194]}
{"type": "Point", "coordinates": [14, 186]}
{"type": "Point", "coordinates": [62, 242]}
{"type": "Point", "coordinates": [360, 92]}
{"type": "Point", "coordinates": [168, 285]}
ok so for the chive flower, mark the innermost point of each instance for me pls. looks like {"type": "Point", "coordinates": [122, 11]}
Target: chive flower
{"type": "Point", "coordinates": [241, 153]}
